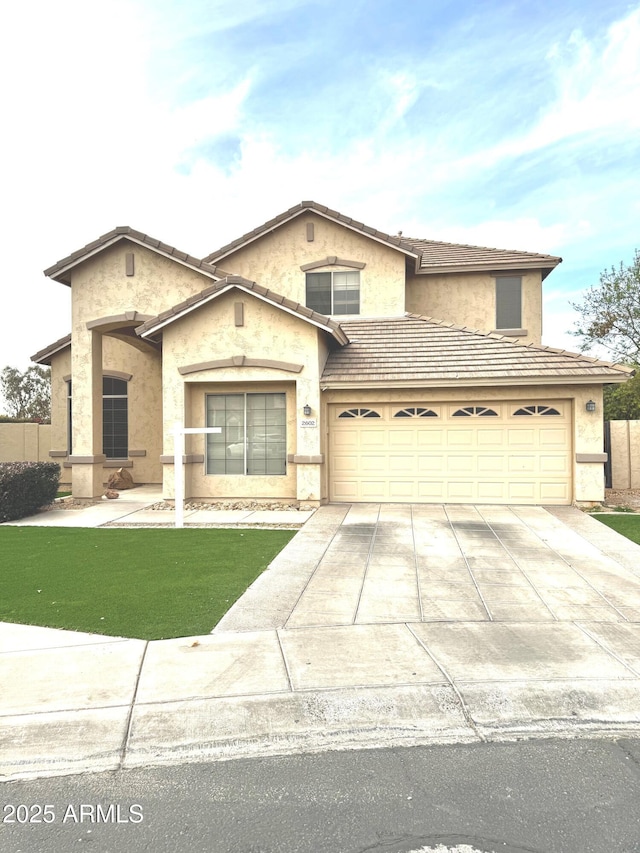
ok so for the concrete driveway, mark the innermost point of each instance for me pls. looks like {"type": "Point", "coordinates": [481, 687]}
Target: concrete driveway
{"type": "Point", "coordinates": [376, 625]}
{"type": "Point", "coordinates": [370, 563]}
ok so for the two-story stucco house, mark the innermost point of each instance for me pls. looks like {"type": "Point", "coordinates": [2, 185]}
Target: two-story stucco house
{"type": "Point", "coordinates": [341, 364]}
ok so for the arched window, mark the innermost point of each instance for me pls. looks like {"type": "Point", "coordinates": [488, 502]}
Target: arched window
{"type": "Point", "coordinates": [359, 413]}
{"type": "Point", "coordinates": [115, 418]}
{"type": "Point", "coordinates": [475, 411]}
{"type": "Point", "coordinates": [416, 412]}
{"type": "Point", "coordinates": [536, 410]}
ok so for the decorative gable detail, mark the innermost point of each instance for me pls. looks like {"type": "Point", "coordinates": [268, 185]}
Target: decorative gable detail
{"type": "Point", "coordinates": [333, 261]}
{"type": "Point", "coordinates": [240, 361]}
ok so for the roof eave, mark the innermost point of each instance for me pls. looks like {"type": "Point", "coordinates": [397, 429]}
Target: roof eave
{"type": "Point", "coordinates": [439, 269]}
{"type": "Point", "coordinates": [45, 355]}
{"type": "Point", "coordinates": [61, 270]}
{"type": "Point", "coordinates": [299, 210]}
{"type": "Point", "coordinates": [155, 328]}
{"type": "Point", "coordinates": [465, 382]}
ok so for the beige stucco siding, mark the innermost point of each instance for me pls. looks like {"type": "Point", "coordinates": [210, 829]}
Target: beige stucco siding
{"type": "Point", "coordinates": [210, 334]}
{"type": "Point", "coordinates": [275, 259]}
{"type": "Point", "coordinates": [144, 394]}
{"type": "Point", "coordinates": [469, 299]}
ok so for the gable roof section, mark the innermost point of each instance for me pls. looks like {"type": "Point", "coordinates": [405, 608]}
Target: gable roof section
{"type": "Point", "coordinates": [156, 324]}
{"type": "Point", "coordinates": [438, 257]}
{"type": "Point", "coordinates": [61, 270]}
{"type": "Point", "coordinates": [313, 207]}
{"type": "Point", "coordinates": [415, 350]}
{"type": "Point", "coordinates": [431, 256]}
{"type": "Point", "coordinates": [45, 355]}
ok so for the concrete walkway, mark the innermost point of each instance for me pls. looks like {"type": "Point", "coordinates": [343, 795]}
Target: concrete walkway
{"type": "Point", "coordinates": [376, 625]}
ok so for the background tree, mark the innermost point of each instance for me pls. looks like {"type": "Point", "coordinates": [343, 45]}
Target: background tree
{"type": "Point", "coordinates": [610, 313]}
{"type": "Point", "coordinates": [610, 319]}
{"type": "Point", "coordinates": [27, 395]}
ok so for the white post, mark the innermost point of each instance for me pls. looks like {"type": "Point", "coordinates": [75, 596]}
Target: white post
{"type": "Point", "coordinates": [179, 433]}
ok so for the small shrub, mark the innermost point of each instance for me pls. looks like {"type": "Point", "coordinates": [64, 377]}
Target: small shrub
{"type": "Point", "coordinates": [25, 487]}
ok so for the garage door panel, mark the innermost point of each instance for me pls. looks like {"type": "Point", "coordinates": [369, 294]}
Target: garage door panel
{"type": "Point", "coordinates": [430, 437]}
{"type": "Point", "coordinates": [553, 438]}
{"type": "Point", "coordinates": [374, 490]}
{"type": "Point", "coordinates": [520, 463]}
{"type": "Point", "coordinates": [491, 491]}
{"type": "Point", "coordinates": [460, 438]}
{"type": "Point", "coordinates": [430, 464]}
{"type": "Point", "coordinates": [460, 463]}
{"type": "Point", "coordinates": [553, 464]}
{"type": "Point", "coordinates": [491, 464]}
{"type": "Point", "coordinates": [401, 465]}
{"type": "Point", "coordinates": [402, 438]}
{"type": "Point", "coordinates": [461, 490]}
{"type": "Point", "coordinates": [370, 439]}
{"type": "Point", "coordinates": [430, 490]}
{"type": "Point", "coordinates": [521, 437]}
{"type": "Point", "coordinates": [490, 437]}
{"type": "Point", "coordinates": [554, 493]}
{"type": "Point", "coordinates": [373, 464]}
{"type": "Point", "coordinates": [505, 458]}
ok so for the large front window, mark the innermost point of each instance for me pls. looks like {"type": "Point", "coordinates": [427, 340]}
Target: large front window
{"type": "Point", "coordinates": [334, 292]}
{"type": "Point", "coordinates": [253, 434]}
{"type": "Point", "coordinates": [115, 426]}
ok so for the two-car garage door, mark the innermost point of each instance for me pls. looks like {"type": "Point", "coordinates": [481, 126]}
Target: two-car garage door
{"type": "Point", "coordinates": [504, 452]}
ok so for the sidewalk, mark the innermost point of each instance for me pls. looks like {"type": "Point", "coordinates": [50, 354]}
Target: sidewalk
{"type": "Point", "coordinates": [133, 507]}
{"type": "Point", "coordinates": [293, 666]}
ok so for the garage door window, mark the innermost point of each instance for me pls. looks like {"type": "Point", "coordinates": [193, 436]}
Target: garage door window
{"type": "Point", "coordinates": [536, 410]}
{"type": "Point", "coordinates": [416, 412]}
{"type": "Point", "coordinates": [253, 436]}
{"type": "Point", "coordinates": [359, 413]}
{"type": "Point", "coordinates": [474, 411]}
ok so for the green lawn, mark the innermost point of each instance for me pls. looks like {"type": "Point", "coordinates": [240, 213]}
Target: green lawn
{"type": "Point", "coordinates": [149, 583]}
{"type": "Point", "coordinates": [627, 525]}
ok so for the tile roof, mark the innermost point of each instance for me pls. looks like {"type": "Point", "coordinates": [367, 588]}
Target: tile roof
{"type": "Point", "coordinates": [436, 256]}
{"type": "Point", "coordinates": [156, 323]}
{"type": "Point", "coordinates": [296, 210]}
{"type": "Point", "coordinates": [44, 356]}
{"type": "Point", "coordinates": [415, 349]}
{"type": "Point", "coordinates": [432, 255]}
{"type": "Point", "coordinates": [60, 270]}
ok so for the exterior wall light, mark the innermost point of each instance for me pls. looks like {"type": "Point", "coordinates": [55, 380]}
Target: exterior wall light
{"type": "Point", "coordinates": [307, 410]}
{"type": "Point", "coordinates": [590, 406]}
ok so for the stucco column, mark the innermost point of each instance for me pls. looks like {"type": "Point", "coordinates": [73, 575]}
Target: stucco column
{"type": "Point", "coordinates": [308, 458]}
{"type": "Point", "coordinates": [87, 456]}
{"type": "Point", "coordinates": [589, 446]}
{"type": "Point", "coordinates": [173, 411]}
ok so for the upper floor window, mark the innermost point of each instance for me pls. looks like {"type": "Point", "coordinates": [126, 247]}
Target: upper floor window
{"type": "Point", "coordinates": [334, 292]}
{"type": "Point", "coordinates": [509, 302]}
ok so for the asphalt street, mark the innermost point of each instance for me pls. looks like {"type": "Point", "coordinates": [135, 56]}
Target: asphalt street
{"type": "Point", "coordinates": [552, 796]}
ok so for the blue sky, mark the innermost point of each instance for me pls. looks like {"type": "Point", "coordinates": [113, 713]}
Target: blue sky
{"type": "Point", "coordinates": [509, 124]}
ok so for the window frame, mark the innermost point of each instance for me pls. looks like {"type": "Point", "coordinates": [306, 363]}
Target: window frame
{"type": "Point", "coordinates": [332, 291]}
{"type": "Point", "coordinates": [509, 285]}
{"type": "Point", "coordinates": [244, 437]}
{"type": "Point", "coordinates": [109, 421]}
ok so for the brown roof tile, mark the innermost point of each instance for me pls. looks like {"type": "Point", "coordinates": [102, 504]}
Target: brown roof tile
{"type": "Point", "coordinates": [298, 209]}
{"type": "Point", "coordinates": [44, 356]}
{"type": "Point", "coordinates": [426, 351]}
{"type": "Point", "coordinates": [60, 270]}
{"type": "Point", "coordinates": [436, 256]}
{"type": "Point", "coordinates": [155, 323]}
{"type": "Point", "coordinates": [432, 255]}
